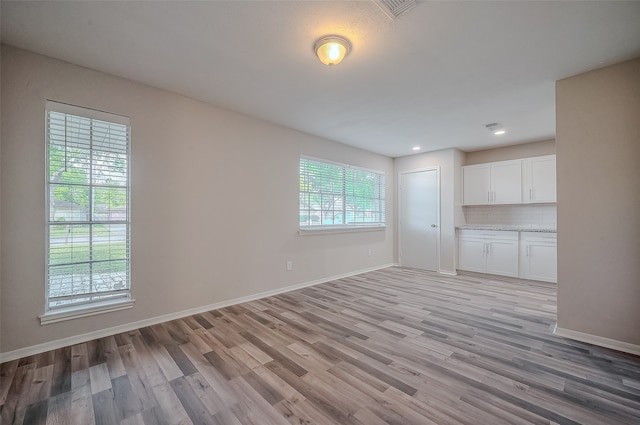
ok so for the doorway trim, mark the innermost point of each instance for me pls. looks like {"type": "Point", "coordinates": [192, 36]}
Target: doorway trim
{"type": "Point", "coordinates": [435, 168]}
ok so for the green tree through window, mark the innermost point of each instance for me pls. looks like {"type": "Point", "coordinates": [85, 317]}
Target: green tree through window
{"type": "Point", "coordinates": [88, 206]}
{"type": "Point", "coordinates": [333, 194]}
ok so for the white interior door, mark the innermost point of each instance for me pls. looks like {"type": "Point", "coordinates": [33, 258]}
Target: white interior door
{"type": "Point", "coordinates": [419, 219]}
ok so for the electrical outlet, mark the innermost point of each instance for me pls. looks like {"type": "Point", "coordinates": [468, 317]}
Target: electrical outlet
{"type": "Point", "coordinates": [289, 265]}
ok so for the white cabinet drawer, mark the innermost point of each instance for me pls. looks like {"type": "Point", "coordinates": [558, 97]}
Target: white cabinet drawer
{"type": "Point", "coordinates": [489, 234]}
{"type": "Point", "coordinates": [542, 236]}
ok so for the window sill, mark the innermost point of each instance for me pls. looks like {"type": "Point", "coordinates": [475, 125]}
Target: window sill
{"type": "Point", "coordinates": [324, 230]}
{"type": "Point", "coordinates": [62, 314]}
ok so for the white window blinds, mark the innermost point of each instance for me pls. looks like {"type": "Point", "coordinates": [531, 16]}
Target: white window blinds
{"type": "Point", "coordinates": [338, 195]}
{"type": "Point", "coordinates": [88, 220]}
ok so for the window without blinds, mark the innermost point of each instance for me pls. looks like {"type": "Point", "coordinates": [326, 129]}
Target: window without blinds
{"type": "Point", "coordinates": [88, 207]}
{"type": "Point", "coordinates": [337, 195]}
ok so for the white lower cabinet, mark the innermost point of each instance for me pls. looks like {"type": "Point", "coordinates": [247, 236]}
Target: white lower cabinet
{"type": "Point", "coordinates": [538, 256]}
{"type": "Point", "coordinates": [494, 252]}
{"type": "Point", "coordinates": [502, 257]}
{"type": "Point", "coordinates": [471, 254]}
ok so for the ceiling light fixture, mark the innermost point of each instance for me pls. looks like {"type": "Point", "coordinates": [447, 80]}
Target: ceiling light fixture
{"type": "Point", "coordinates": [416, 148]}
{"type": "Point", "coordinates": [331, 49]}
{"type": "Point", "coordinates": [499, 132]}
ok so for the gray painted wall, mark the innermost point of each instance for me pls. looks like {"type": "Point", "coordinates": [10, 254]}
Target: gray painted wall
{"type": "Point", "coordinates": [525, 150]}
{"type": "Point", "coordinates": [598, 166]}
{"type": "Point", "coordinates": [214, 200]}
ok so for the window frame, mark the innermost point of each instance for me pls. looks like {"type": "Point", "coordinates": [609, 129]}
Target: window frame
{"type": "Point", "coordinates": [344, 227]}
{"type": "Point", "coordinates": [122, 298]}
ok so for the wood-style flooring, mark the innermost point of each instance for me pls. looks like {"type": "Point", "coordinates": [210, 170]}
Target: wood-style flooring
{"type": "Point", "coordinates": [395, 346]}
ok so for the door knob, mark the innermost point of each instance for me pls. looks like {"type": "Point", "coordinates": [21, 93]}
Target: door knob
{"type": "Point", "coordinates": [434, 225]}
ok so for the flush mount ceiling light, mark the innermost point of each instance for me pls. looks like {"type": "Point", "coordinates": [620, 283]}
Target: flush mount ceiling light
{"type": "Point", "coordinates": [331, 49]}
{"type": "Point", "coordinates": [415, 148]}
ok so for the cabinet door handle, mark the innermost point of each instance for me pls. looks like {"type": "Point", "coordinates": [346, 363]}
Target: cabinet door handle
{"type": "Point", "coordinates": [488, 196]}
{"type": "Point", "coordinates": [530, 194]}
{"type": "Point", "coordinates": [488, 247]}
{"type": "Point", "coordinates": [527, 250]}
{"type": "Point", "coordinates": [484, 247]}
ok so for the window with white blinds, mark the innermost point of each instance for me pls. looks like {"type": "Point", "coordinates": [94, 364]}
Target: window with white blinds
{"type": "Point", "coordinates": [339, 195]}
{"type": "Point", "coordinates": [88, 220]}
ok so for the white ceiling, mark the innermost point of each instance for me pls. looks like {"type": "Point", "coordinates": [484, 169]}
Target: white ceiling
{"type": "Point", "coordinates": [433, 78]}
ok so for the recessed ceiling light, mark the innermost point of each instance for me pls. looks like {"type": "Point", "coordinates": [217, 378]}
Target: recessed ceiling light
{"type": "Point", "coordinates": [416, 148]}
{"type": "Point", "coordinates": [499, 132]}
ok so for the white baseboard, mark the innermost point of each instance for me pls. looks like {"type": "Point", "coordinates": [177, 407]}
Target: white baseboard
{"type": "Point", "coordinates": [78, 339]}
{"type": "Point", "coordinates": [448, 273]}
{"type": "Point", "coordinates": [625, 347]}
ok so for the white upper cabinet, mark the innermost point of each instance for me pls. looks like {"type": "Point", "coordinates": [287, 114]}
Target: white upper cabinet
{"type": "Point", "coordinates": [506, 182]}
{"type": "Point", "coordinates": [476, 184]}
{"type": "Point", "coordinates": [520, 181]}
{"type": "Point", "coordinates": [539, 179]}
{"type": "Point", "coordinates": [492, 183]}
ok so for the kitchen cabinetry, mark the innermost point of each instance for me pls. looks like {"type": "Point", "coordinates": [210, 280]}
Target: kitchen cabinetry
{"type": "Point", "coordinates": [476, 184]}
{"type": "Point", "coordinates": [492, 183]}
{"type": "Point", "coordinates": [538, 256]}
{"type": "Point", "coordinates": [526, 181]}
{"type": "Point", "coordinates": [494, 252]}
{"type": "Point", "coordinates": [539, 179]}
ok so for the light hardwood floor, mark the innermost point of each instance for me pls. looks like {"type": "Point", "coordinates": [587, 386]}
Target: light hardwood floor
{"type": "Point", "coordinates": [395, 346]}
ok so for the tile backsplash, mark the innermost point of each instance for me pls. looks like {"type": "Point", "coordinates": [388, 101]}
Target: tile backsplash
{"type": "Point", "coordinates": [537, 215]}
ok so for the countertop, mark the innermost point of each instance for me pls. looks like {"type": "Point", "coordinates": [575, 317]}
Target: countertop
{"type": "Point", "coordinates": [509, 227]}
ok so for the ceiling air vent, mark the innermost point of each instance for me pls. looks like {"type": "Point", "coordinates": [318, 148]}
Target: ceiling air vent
{"type": "Point", "coordinates": [493, 126]}
{"type": "Point", "coordinates": [496, 128]}
{"type": "Point", "coordinates": [395, 8]}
